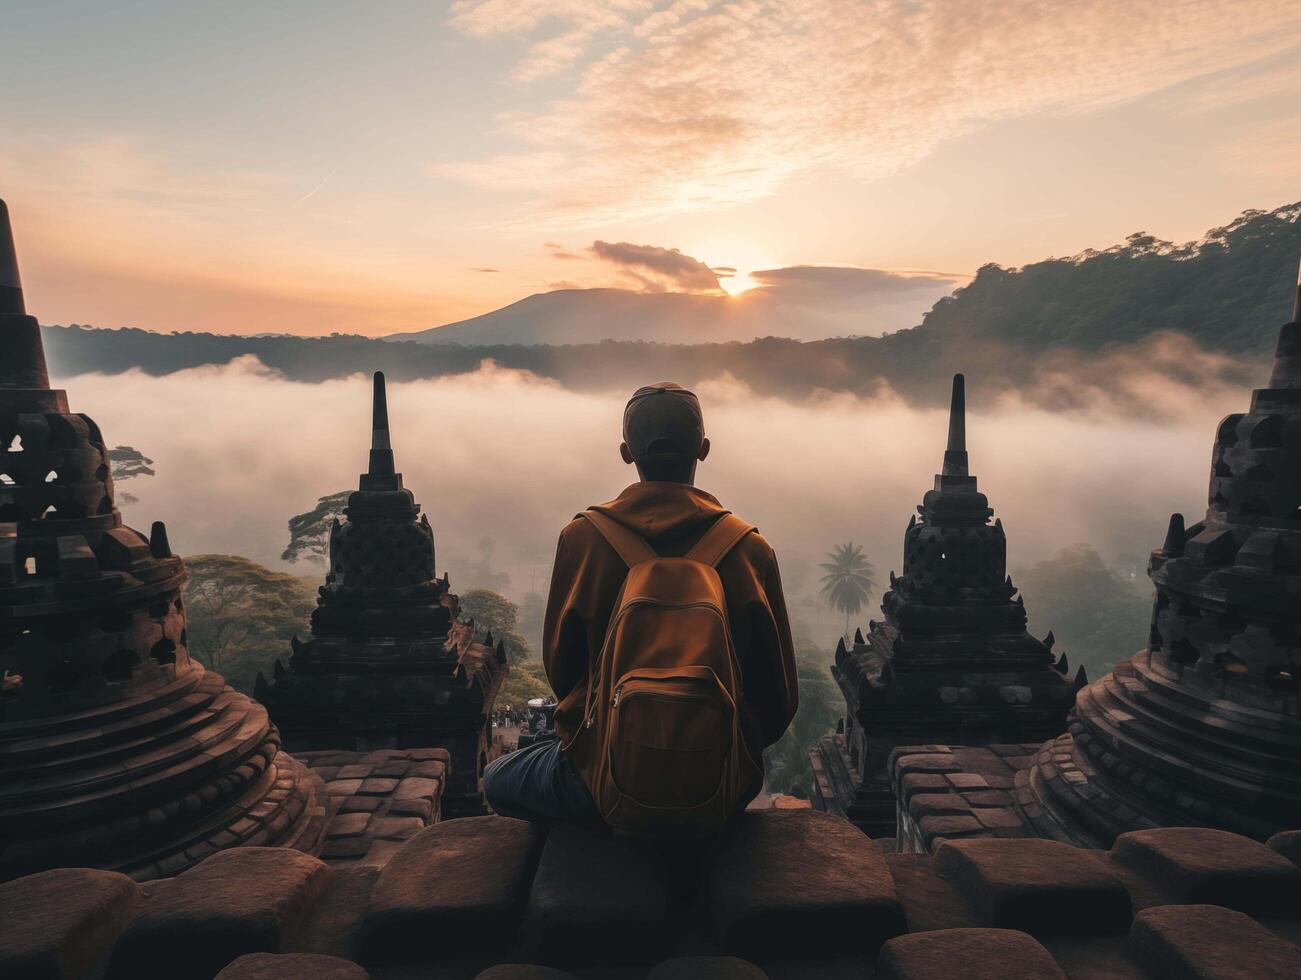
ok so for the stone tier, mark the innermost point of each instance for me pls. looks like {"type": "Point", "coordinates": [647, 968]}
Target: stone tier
{"type": "Point", "coordinates": [152, 784]}
{"type": "Point", "coordinates": [783, 894]}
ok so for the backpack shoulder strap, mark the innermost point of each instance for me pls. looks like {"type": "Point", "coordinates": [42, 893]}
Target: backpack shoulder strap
{"type": "Point", "coordinates": [629, 545]}
{"type": "Point", "coordinates": [725, 535]}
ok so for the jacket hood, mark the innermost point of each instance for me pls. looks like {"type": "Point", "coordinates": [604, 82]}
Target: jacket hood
{"type": "Point", "coordinates": [664, 511]}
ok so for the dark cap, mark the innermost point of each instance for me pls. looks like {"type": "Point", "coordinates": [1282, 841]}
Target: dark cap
{"type": "Point", "coordinates": [663, 419]}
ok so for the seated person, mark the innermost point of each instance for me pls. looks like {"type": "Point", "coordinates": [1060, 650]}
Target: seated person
{"type": "Point", "coordinates": [737, 635]}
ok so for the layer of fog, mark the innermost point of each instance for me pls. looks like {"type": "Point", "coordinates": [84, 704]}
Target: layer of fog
{"type": "Point", "coordinates": [504, 455]}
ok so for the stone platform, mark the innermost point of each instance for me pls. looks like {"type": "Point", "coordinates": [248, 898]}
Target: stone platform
{"type": "Point", "coordinates": [377, 800]}
{"type": "Point", "coordinates": [784, 894]}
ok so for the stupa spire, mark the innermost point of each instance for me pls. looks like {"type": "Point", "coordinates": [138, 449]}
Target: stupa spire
{"type": "Point", "coordinates": [955, 454]}
{"type": "Point", "coordinates": [381, 449]}
{"type": "Point", "coordinates": [1287, 359]}
{"type": "Point", "coordinates": [23, 365]}
{"type": "Point", "coordinates": [11, 287]}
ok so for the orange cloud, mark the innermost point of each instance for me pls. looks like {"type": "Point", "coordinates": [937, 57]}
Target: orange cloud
{"type": "Point", "coordinates": [698, 106]}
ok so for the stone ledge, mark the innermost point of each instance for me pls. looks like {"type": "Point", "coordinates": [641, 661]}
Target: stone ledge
{"type": "Point", "coordinates": [244, 900]}
{"type": "Point", "coordinates": [1041, 887]}
{"type": "Point", "coordinates": [596, 899]}
{"type": "Point", "coordinates": [291, 966]}
{"type": "Point", "coordinates": [778, 873]}
{"type": "Point", "coordinates": [1201, 866]}
{"type": "Point", "coordinates": [463, 881]}
{"type": "Point", "coordinates": [1288, 843]}
{"type": "Point", "coordinates": [1207, 942]}
{"type": "Point", "coordinates": [801, 893]}
{"type": "Point", "coordinates": [973, 954]}
{"type": "Point", "coordinates": [62, 924]}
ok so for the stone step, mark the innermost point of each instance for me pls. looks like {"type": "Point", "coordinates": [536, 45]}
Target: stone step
{"type": "Point", "coordinates": [1206, 733]}
{"type": "Point", "coordinates": [1238, 728]}
{"type": "Point", "coordinates": [1217, 760]}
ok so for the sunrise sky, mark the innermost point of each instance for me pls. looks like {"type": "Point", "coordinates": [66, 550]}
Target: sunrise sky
{"type": "Point", "coordinates": [321, 166]}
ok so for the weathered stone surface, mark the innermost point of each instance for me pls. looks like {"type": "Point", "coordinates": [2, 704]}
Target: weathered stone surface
{"type": "Point", "coordinates": [244, 900]}
{"type": "Point", "coordinates": [331, 925]}
{"type": "Point", "coordinates": [62, 924]}
{"type": "Point", "coordinates": [291, 966]}
{"type": "Point", "coordinates": [347, 825]}
{"type": "Point", "coordinates": [973, 954]}
{"type": "Point", "coordinates": [596, 899]}
{"type": "Point", "coordinates": [1198, 865]}
{"type": "Point", "coordinates": [706, 968]}
{"type": "Point", "coordinates": [523, 971]}
{"type": "Point", "coordinates": [464, 881]}
{"type": "Point", "coordinates": [1207, 942]}
{"type": "Point", "coordinates": [929, 900]}
{"type": "Point", "coordinates": [782, 882]}
{"type": "Point", "coordinates": [1288, 843]}
{"type": "Point", "coordinates": [1039, 886]}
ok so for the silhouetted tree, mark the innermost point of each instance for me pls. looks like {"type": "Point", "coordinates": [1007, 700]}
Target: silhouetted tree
{"type": "Point", "coordinates": [849, 580]}
{"type": "Point", "coordinates": [128, 463]}
{"type": "Point", "coordinates": [309, 533]}
{"type": "Point", "coordinates": [241, 615]}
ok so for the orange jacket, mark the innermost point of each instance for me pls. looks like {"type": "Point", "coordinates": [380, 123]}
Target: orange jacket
{"type": "Point", "coordinates": [585, 584]}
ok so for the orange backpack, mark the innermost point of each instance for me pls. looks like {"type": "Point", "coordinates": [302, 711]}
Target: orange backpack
{"type": "Point", "coordinates": [667, 756]}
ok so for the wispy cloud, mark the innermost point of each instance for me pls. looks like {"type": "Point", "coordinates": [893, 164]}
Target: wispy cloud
{"type": "Point", "coordinates": [667, 267]}
{"type": "Point", "coordinates": [697, 105]}
{"type": "Point", "coordinates": [312, 193]}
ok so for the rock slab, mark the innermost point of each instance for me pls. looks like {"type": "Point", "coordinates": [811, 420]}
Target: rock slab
{"type": "Point", "coordinates": [783, 883]}
{"type": "Point", "coordinates": [1208, 942]}
{"type": "Point", "coordinates": [464, 882]}
{"type": "Point", "coordinates": [596, 899]}
{"type": "Point", "coordinates": [292, 966]}
{"type": "Point", "coordinates": [973, 954]}
{"type": "Point", "coordinates": [62, 924]}
{"type": "Point", "coordinates": [244, 900]}
{"type": "Point", "coordinates": [1042, 887]}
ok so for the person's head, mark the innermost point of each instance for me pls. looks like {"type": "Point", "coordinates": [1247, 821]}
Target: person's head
{"type": "Point", "coordinates": [664, 433]}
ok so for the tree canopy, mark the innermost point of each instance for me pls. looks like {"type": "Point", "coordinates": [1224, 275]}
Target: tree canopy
{"type": "Point", "coordinates": [1098, 615]}
{"type": "Point", "coordinates": [493, 611]}
{"type": "Point", "coordinates": [309, 532]}
{"type": "Point", "coordinates": [241, 615]}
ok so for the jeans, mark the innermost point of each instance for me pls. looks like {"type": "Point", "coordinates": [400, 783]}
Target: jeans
{"type": "Point", "coordinates": [539, 783]}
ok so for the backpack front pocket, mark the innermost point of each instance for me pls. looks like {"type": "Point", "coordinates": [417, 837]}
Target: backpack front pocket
{"type": "Point", "coordinates": [669, 737]}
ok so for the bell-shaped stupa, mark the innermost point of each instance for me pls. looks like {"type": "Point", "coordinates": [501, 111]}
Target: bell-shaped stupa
{"type": "Point", "coordinates": [951, 662]}
{"type": "Point", "coordinates": [387, 664]}
{"type": "Point", "coordinates": [1203, 727]}
{"type": "Point", "coordinates": [117, 750]}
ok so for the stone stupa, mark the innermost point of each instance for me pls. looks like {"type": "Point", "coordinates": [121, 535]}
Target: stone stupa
{"type": "Point", "coordinates": [387, 665]}
{"type": "Point", "coordinates": [951, 662]}
{"type": "Point", "coordinates": [1203, 727]}
{"type": "Point", "coordinates": [117, 750]}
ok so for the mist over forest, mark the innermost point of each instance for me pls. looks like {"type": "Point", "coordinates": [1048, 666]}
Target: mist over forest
{"type": "Point", "coordinates": [1094, 387]}
{"type": "Point", "coordinates": [1079, 333]}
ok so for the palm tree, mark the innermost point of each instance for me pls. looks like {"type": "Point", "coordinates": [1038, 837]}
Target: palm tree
{"type": "Point", "coordinates": [849, 580]}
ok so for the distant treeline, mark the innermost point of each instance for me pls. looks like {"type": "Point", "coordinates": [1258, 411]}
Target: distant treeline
{"type": "Point", "coordinates": [1076, 321]}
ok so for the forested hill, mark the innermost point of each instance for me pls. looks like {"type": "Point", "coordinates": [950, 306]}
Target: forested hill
{"type": "Point", "coordinates": [1229, 291]}
{"type": "Point", "coordinates": [1058, 331]}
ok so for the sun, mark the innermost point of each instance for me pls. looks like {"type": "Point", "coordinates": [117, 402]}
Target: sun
{"type": "Point", "coordinates": [737, 283]}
